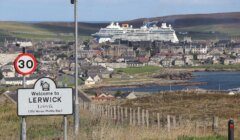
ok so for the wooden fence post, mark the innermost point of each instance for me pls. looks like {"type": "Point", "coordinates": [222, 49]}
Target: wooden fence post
{"type": "Point", "coordinates": [134, 117]}
{"type": "Point", "coordinates": [180, 123]}
{"type": "Point", "coordinates": [215, 124]}
{"type": "Point", "coordinates": [130, 116]}
{"type": "Point", "coordinates": [174, 121]}
{"type": "Point", "coordinates": [139, 116]}
{"type": "Point", "coordinates": [147, 118]}
{"type": "Point", "coordinates": [168, 123]}
{"type": "Point", "coordinates": [196, 128]}
{"type": "Point", "coordinates": [111, 112]}
{"type": "Point", "coordinates": [118, 114]}
{"type": "Point", "coordinates": [122, 114]}
{"type": "Point", "coordinates": [158, 120]}
{"type": "Point", "coordinates": [143, 117]}
{"type": "Point", "coordinates": [126, 112]}
{"type": "Point", "coordinates": [115, 113]}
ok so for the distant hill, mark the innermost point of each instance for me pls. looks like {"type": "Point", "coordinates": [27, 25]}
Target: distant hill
{"type": "Point", "coordinates": [199, 26]}
{"type": "Point", "coordinates": [179, 21]}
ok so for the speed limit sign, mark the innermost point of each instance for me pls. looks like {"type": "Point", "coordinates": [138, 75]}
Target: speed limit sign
{"type": "Point", "coordinates": [25, 64]}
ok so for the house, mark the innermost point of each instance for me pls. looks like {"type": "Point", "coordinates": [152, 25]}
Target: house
{"type": "Point", "coordinates": [188, 57]}
{"type": "Point", "coordinates": [203, 56]}
{"type": "Point", "coordinates": [8, 73]}
{"type": "Point", "coordinates": [89, 81]}
{"type": "Point", "coordinates": [7, 57]}
{"type": "Point", "coordinates": [178, 62]}
{"type": "Point", "coordinates": [131, 95]}
{"type": "Point", "coordinates": [15, 81]}
{"type": "Point", "coordinates": [24, 44]}
{"type": "Point", "coordinates": [106, 74]}
{"type": "Point", "coordinates": [97, 79]}
{"type": "Point", "coordinates": [199, 50]}
{"type": "Point", "coordinates": [216, 51]}
{"type": "Point", "coordinates": [229, 61]}
{"type": "Point", "coordinates": [167, 62]}
{"type": "Point", "coordinates": [103, 97]}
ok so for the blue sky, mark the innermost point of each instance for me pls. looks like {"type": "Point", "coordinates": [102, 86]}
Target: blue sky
{"type": "Point", "coordinates": [108, 10]}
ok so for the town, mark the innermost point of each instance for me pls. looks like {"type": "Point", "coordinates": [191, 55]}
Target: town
{"type": "Point", "coordinates": [97, 61]}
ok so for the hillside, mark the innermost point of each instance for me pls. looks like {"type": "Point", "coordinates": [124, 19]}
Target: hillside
{"type": "Point", "coordinates": [199, 26]}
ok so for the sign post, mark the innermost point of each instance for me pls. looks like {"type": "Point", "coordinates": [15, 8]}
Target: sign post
{"type": "Point", "coordinates": [46, 99]}
{"type": "Point", "coordinates": [231, 129]}
{"type": "Point", "coordinates": [23, 124]}
{"type": "Point", "coordinates": [24, 64]}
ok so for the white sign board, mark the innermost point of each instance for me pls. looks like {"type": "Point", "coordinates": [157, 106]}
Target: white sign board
{"type": "Point", "coordinates": [45, 99]}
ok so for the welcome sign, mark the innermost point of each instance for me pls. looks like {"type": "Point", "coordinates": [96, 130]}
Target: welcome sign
{"type": "Point", "coordinates": [45, 99]}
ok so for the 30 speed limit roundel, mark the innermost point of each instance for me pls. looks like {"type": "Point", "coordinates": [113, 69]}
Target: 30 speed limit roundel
{"type": "Point", "coordinates": [25, 64]}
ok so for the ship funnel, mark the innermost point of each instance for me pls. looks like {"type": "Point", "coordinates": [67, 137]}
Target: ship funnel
{"type": "Point", "coordinates": [164, 25]}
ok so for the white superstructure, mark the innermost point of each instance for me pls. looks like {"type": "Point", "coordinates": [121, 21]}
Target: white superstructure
{"type": "Point", "coordinates": [115, 32]}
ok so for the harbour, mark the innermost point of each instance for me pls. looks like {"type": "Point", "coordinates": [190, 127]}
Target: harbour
{"type": "Point", "coordinates": [218, 81]}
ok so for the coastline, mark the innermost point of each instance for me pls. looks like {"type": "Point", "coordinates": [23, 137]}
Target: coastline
{"type": "Point", "coordinates": [175, 81]}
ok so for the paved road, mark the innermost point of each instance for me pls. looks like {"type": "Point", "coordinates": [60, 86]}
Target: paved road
{"type": "Point", "coordinates": [83, 96]}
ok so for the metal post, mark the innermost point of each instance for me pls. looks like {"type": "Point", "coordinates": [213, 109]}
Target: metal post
{"type": "Point", "coordinates": [231, 129]}
{"type": "Point", "coordinates": [65, 127]}
{"type": "Point", "coordinates": [76, 107]}
{"type": "Point", "coordinates": [23, 119]}
{"type": "Point", "coordinates": [23, 129]}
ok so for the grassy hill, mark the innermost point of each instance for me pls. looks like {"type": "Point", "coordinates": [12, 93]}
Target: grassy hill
{"type": "Point", "coordinates": [199, 26]}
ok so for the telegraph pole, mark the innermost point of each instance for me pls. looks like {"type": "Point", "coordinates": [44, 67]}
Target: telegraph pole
{"type": "Point", "coordinates": [76, 107]}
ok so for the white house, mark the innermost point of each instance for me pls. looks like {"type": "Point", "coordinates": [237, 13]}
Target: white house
{"type": "Point", "coordinates": [18, 81]}
{"type": "Point", "coordinates": [131, 96]}
{"type": "Point", "coordinates": [89, 81]}
{"type": "Point", "coordinates": [7, 58]}
{"type": "Point", "coordinates": [199, 49]}
{"type": "Point", "coordinates": [24, 44]}
{"type": "Point", "coordinates": [97, 79]}
{"type": "Point", "coordinates": [8, 73]}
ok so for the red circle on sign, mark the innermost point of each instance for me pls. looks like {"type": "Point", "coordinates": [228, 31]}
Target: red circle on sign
{"type": "Point", "coordinates": [19, 69]}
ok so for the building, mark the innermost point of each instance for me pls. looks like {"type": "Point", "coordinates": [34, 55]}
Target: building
{"type": "Point", "coordinates": [131, 95]}
{"type": "Point", "coordinates": [178, 62]}
{"type": "Point", "coordinates": [89, 81]}
{"type": "Point", "coordinates": [103, 97]}
{"type": "Point", "coordinates": [17, 81]}
{"type": "Point", "coordinates": [6, 58]}
{"type": "Point", "coordinates": [8, 73]}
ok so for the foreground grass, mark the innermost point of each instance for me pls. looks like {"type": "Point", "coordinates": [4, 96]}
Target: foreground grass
{"type": "Point", "coordinates": [203, 138]}
{"type": "Point", "coordinates": [195, 104]}
{"type": "Point", "coordinates": [92, 127]}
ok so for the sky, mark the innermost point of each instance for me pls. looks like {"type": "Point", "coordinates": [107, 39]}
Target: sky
{"type": "Point", "coordinates": [108, 10]}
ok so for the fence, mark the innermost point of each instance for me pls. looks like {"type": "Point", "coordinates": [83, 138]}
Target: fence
{"type": "Point", "coordinates": [142, 117]}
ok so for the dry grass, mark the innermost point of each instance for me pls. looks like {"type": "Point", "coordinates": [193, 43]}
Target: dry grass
{"type": "Point", "coordinates": [91, 127]}
{"type": "Point", "coordinates": [197, 105]}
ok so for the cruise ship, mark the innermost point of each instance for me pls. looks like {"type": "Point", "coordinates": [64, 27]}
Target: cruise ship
{"type": "Point", "coordinates": [125, 32]}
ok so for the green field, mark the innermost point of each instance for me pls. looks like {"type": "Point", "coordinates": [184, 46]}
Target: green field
{"type": "Point", "coordinates": [139, 70]}
{"type": "Point", "coordinates": [229, 29]}
{"type": "Point", "coordinates": [12, 30]}
{"type": "Point", "coordinates": [64, 31]}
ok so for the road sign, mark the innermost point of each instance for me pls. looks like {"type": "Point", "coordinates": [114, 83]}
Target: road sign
{"type": "Point", "coordinates": [25, 64]}
{"type": "Point", "coordinates": [45, 99]}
